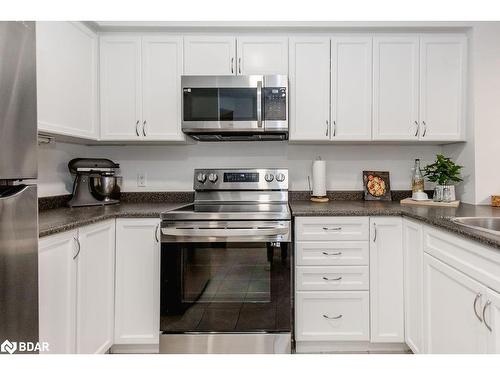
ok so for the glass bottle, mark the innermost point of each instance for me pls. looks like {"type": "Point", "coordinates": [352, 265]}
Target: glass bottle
{"type": "Point", "coordinates": [417, 180]}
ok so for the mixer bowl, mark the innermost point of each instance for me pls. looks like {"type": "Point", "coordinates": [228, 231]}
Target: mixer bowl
{"type": "Point", "coordinates": [103, 185]}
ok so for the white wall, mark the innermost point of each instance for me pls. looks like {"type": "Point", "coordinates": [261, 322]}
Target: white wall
{"type": "Point", "coordinates": [53, 174]}
{"type": "Point", "coordinates": [170, 167]}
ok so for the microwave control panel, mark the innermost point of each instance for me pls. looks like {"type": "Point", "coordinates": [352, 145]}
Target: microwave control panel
{"type": "Point", "coordinates": [274, 106]}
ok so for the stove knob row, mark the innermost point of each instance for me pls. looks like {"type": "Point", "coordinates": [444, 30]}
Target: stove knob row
{"type": "Point", "coordinates": [201, 177]}
{"type": "Point", "coordinates": [269, 177]}
{"type": "Point", "coordinates": [280, 177]}
{"type": "Point", "coordinates": [212, 177]}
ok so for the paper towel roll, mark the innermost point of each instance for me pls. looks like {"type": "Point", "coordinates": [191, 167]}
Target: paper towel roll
{"type": "Point", "coordinates": [319, 178]}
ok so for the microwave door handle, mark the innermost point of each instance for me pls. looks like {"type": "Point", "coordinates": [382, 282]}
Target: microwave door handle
{"type": "Point", "coordinates": [259, 104]}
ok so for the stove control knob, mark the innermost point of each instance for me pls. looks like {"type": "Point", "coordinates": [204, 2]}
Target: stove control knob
{"type": "Point", "coordinates": [212, 177]}
{"type": "Point", "coordinates": [280, 177]}
{"type": "Point", "coordinates": [269, 177]}
{"type": "Point", "coordinates": [201, 177]}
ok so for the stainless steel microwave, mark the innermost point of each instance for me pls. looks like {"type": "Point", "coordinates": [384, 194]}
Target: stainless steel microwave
{"type": "Point", "coordinates": [232, 108]}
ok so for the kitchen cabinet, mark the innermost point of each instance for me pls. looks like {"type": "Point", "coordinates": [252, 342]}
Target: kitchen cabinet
{"type": "Point", "coordinates": [491, 319]}
{"type": "Point", "coordinates": [413, 284]}
{"type": "Point", "coordinates": [210, 55]}
{"type": "Point", "coordinates": [386, 280]}
{"type": "Point", "coordinates": [452, 310]}
{"type": "Point", "coordinates": [67, 79]}
{"type": "Point", "coordinates": [120, 87]}
{"type": "Point", "coordinates": [442, 87]}
{"type": "Point", "coordinates": [395, 87]}
{"type": "Point", "coordinates": [262, 55]}
{"type": "Point", "coordinates": [95, 288]}
{"type": "Point", "coordinates": [57, 291]}
{"type": "Point", "coordinates": [140, 88]}
{"type": "Point", "coordinates": [351, 95]}
{"type": "Point", "coordinates": [137, 297]}
{"type": "Point", "coordinates": [309, 79]}
{"type": "Point", "coordinates": [161, 94]}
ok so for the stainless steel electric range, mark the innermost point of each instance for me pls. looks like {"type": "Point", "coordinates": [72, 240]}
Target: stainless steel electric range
{"type": "Point", "coordinates": [226, 265]}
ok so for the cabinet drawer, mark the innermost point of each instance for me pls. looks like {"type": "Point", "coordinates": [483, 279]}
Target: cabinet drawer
{"type": "Point", "coordinates": [332, 316]}
{"type": "Point", "coordinates": [338, 253]}
{"type": "Point", "coordinates": [332, 278]}
{"type": "Point", "coordinates": [326, 228]}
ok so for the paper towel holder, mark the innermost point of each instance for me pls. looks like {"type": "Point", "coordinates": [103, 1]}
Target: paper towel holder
{"type": "Point", "coordinates": [314, 198]}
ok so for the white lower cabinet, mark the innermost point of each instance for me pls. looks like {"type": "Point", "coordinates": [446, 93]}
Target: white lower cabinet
{"type": "Point", "coordinates": [137, 297]}
{"type": "Point", "coordinates": [95, 288]}
{"type": "Point", "coordinates": [452, 310]}
{"type": "Point", "coordinates": [332, 316]}
{"type": "Point", "coordinates": [57, 291]}
{"type": "Point", "coordinates": [491, 319]}
{"type": "Point", "coordinates": [76, 289]}
{"type": "Point", "coordinates": [413, 284]}
{"type": "Point", "coordinates": [386, 280]}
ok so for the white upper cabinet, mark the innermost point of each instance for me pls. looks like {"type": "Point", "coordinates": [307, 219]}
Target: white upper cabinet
{"type": "Point", "coordinates": [57, 291]}
{"type": "Point", "coordinates": [386, 280]}
{"type": "Point", "coordinates": [395, 87]}
{"type": "Point", "coordinates": [120, 87]}
{"type": "Point", "coordinates": [95, 288]}
{"type": "Point", "coordinates": [161, 82]}
{"type": "Point", "coordinates": [66, 64]}
{"type": "Point", "coordinates": [442, 87]}
{"type": "Point", "coordinates": [351, 59]}
{"type": "Point", "coordinates": [309, 81]}
{"type": "Point", "coordinates": [210, 55]}
{"type": "Point", "coordinates": [452, 310]}
{"type": "Point", "coordinates": [262, 55]}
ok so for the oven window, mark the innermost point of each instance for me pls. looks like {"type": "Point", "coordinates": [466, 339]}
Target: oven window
{"type": "Point", "coordinates": [225, 287]}
{"type": "Point", "coordinates": [238, 104]}
{"type": "Point", "coordinates": [201, 104]}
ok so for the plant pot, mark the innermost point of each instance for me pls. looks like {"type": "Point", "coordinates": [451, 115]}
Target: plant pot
{"type": "Point", "coordinates": [444, 193]}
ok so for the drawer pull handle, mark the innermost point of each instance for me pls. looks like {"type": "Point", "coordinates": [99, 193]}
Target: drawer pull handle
{"type": "Point", "coordinates": [337, 253]}
{"type": "Point", "coordinates": [484, 314]}
{"type": "Point", "coordinates": [332, 228]}
{"type": "Point", "coordinates": [335, 279]}
{"type": "Point", "coordinates": [333, 317]}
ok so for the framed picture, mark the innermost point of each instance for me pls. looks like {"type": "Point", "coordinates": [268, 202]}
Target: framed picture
{"type": "Point", "coordinates": [377, 186]}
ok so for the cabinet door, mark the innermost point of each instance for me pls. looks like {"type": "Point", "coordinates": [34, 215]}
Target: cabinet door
{"type": "Point", "coordinates": [137, 298]}
{"type": "Point", "coordinates": [310, 89]}
{"type": "Point", "coordinates": [395, 88]}
{"type": "Point", "coordinates": [57, 292]}
{"type": "Point", "coordinates": [66, 59]}
{"type": "Point", "coordinates": [442, 87]}
{"type": "Point", "coordinates": [491, 316]}
{"type": "Point", "coordinates": [120, 87]}
{"type": "Point", "coordinates": [95, 288]}
{"type": "Point", "coordinates": [386, 280]}
{"type": "Point", "coordinates": [210, 55]}
{"type": "Point", "coordinates": [351, 88]}
{"type": "Point", "coordinates": [413, 284]}
{"type": "Point", "coordinates": [451, 302]}
{"type": "Point", "coordinates": [262, 55]}
{"type": "Point", "coordinates": [161, 88]}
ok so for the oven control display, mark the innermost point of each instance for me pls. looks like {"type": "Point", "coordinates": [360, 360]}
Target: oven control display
{"type": "Point", "coordinates": [241, 177]}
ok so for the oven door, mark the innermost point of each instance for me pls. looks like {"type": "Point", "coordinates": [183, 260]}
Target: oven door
{"type": "Point", "coordinates": [225, 283]}
{"type": "Point", "coordinates": [221, 104]}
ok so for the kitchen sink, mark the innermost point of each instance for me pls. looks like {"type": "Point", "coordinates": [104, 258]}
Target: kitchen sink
{"type": "Point", "coordinates": [487, 224]}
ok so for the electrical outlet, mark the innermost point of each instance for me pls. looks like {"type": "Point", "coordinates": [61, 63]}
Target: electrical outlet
{"type": "Point", "coordinates": [141, 179]}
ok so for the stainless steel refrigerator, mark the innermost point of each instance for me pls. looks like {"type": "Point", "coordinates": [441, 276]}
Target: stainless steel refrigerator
{"type": "Point", "coordinates": [18, 192]}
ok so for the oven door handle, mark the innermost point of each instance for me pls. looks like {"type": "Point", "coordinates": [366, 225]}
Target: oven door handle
{"type": "Point", "coordinates": [223, 232]}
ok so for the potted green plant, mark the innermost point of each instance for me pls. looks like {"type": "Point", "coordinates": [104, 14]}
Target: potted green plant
{"type": "Point", "coordinates": [444, 172]}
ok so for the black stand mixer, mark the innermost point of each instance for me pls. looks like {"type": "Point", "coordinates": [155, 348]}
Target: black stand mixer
{"type": "Point", "coordinates": [95, 182]}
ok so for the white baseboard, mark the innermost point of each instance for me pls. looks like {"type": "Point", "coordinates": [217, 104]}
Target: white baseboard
{"type": "Point", "coordinates": [135, 349]}
{"type": "Point", "coordinates": [350, 347]}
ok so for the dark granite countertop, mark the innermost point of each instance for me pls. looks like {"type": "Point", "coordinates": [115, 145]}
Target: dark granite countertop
{"type": "Point", "coordinates": [63, 219]}
{"type": "Point", "coordinates": [436, 216]}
